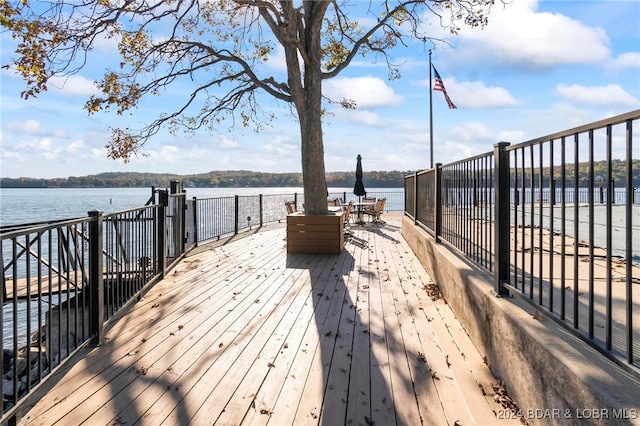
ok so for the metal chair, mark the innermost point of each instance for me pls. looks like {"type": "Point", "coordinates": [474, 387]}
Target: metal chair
{"type": "Point", "coordinates": [291, 207]}
{"type": "Point", "coordinates": [377, 211]}
{"type": "Point", "coordinates": [369, 200]}
{"type": "Point", "coordinates": [346, 218]}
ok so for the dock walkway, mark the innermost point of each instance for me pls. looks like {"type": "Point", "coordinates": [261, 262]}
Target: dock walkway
{"type": "Point", "coordinates": [244, 333]}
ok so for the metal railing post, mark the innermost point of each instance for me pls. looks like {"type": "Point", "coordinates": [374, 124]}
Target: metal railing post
{"type": "Point", "coordinates": [161, 237]}
{"type": "Point", "coordinates": [237, 213]}
{"type": "Point", "coordinates": [195, 221]}
{"type": "Point", "coordinates": [261, 210]}
{"type": "Point", "coordinates": [415, 197]}
{"type": "Point", "coordinates": [96, 276]}
{"type": "Point", "coordinates": [502, 218]}
{"type": "Point", "coordinates": [438, 200]}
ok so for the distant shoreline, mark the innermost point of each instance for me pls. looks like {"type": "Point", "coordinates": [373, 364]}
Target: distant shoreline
{"type": "Point", "coordinates": [216, 179]}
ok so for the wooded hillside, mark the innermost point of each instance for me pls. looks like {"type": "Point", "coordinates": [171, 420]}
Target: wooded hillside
{"type": "Point", "coordinates": [214, 179]}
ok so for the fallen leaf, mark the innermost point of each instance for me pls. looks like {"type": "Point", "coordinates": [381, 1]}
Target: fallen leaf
{"type": "Point", "coordinates": [537, 315]}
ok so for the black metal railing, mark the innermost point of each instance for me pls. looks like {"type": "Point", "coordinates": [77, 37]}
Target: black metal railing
{"type": "Point", "coordinates": [63, 281]}
{"type": "Point", "coordinates": [556, 220]}
{"type": "Point", "coordinates": [216, 218]}
{"type": "Point", "coordinates": [394, 203]}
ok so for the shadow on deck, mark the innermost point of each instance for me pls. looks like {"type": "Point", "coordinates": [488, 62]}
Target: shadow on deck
{"type": "Point", "coordinates": [242, 333]}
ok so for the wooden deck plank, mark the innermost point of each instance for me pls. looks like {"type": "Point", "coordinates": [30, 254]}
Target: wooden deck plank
{"type": "Point", "coordinates": [336, 391]}
{"type": "Point", "coordinates": [209, 330]}
{"type": "Point", "coordinates": [308, 358]}
{"type": "Point", "coordinates": [426, 406]}
{"type": "Point", "coordinates": [266, 397]}
{"type": "Point", "coordinates": [243, 400]}
{"type": "Point", "coordinates": [259, 363]}
{"type": "Point", "coordinates": [158, 366]}
{"type": "Point", "coordinates": [465, 358]}
{"type": "Point", "coordinates": [244, 333]}
{"type": "Point", "coordinates": [475, 361]}
{"type": "Point", "coordinates": [335, 296]}
{"type": "Point", "coordinates": [218, 360]}
{"type": "Point", "coordinates": [383, 409]}
{"type": "Point", "coordinates": [126, 348]}
{"type": "Point", "coordinates": [359, 396]}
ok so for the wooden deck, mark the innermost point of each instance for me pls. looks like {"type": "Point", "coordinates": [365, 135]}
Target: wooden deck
{"type": "Point", "coordinates": [244, 333]}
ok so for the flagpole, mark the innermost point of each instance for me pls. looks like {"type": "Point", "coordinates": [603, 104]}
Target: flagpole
{"type": "Point", "coordinates": [430, 114]}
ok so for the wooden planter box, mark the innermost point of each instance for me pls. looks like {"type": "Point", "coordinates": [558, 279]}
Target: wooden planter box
{"type": "Point", "coordinates": [315, 234]}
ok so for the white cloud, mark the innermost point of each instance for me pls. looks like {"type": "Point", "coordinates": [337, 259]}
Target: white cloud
{"type": "Point", "coordinates": [281, 144]}
{"type": "Point", "coordinates": [518, 34]}
{"type": "Point", "coordinates": [367, 92]}
{"type": "Point", "coordinates": [74, 85]}
{"type": "Point", "coordinates": [476, 95]}
{"type": "Point", "coordinates": [99, 153]}
{"type": "Point", "coordinates": [169, 152]}
{"type": "Point", "coordinates": [44, 144]}
{"type": "Point", "coordinates": [277, 59]}
{"type": "Point", "coordinates": [450, 151]}
{"type": "Point", "coordinates": [75, 146]}
{"type": "Point", "coordinates": [623, 61]}
{"type": "Point", "coordinates": [609, 95]}
{"type": "Point", "coordinates": [471, 131]}
{"type": "Point", "coordinates": [512, 136]}
{"type": "Point", "coordinates": [107, 45]}
{"type": "Point", "coordinates": [367, 118]}
{"type": "Point", "coordinates": [228, 143]}
{"type": "Point", "coordinates": [29, 126]}
{"type": "Point", "coordinates": [556, 118]}
{"type": "Point", "coordinates": [34, 128]}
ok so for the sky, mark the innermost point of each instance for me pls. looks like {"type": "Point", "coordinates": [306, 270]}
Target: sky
{"type": "Point", "coordinates": [537, 68]}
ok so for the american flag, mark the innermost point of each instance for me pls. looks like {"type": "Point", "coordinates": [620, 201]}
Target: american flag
{"type": "Point", "coordinates": [439, 85]}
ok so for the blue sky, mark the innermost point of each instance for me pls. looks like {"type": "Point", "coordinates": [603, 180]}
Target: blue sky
{"type": "Point", "coordinates": [538, 67]}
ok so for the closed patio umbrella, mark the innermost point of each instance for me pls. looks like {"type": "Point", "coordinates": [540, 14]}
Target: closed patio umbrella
{"type": "Point", "coordinates": [358, 189]}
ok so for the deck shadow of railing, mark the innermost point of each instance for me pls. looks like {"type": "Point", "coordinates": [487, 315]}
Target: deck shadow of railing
{"type": "Point", "coordinates": [358, 351]}
{"type": "Point", "coordinates": [355, 387]}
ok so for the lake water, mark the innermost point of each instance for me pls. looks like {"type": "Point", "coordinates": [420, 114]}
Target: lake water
{"type": "Point", "coordinates": [28, 205]}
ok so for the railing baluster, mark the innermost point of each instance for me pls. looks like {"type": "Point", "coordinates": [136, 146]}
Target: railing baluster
{"type": "Point", "coordinates": [502, 226]}
{"type": "Point", "coordinates": [629, 241]}
{"type": "Point", "coordinates": [96, 276]}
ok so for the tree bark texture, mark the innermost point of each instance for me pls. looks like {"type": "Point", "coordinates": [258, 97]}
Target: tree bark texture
{"type": "Point", "coordinates": [307, 98]}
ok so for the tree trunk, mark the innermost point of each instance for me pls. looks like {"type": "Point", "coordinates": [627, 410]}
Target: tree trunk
{"type": "Point", "coordinates": [310, 114]}
{"type": "Point", "coordinates": [313, 171]}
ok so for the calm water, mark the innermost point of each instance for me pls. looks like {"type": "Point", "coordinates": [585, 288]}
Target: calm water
{"type": "Point", "coordinates": [27, 205]}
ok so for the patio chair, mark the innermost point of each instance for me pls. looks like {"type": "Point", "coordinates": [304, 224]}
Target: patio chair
{"type": "Point", "coordinates": [371, 201]}
{"type": "Point", "coordinates": [291, 207]}
{"type": "Point", "coordinates": [346, 218]}
{"type": "Point", "coordinates": [377, 211]}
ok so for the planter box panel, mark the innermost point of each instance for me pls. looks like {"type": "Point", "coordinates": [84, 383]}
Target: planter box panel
{"type": "Point", "coordinates": [299, 244]}
{"type": "Point", "coordinates": [315, 234]}
{"type": "Point", "coordinates": [299, 227]}
{"type": "Point", "coordinates": [314, 250]}
{"type": "Point", "coordinates": [301, 219]}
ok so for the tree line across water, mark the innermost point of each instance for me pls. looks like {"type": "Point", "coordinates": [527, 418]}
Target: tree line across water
{"type": "Point", "coordinates": [244, 178]}
{"type": "Point", "coordinates": [214, 179]}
